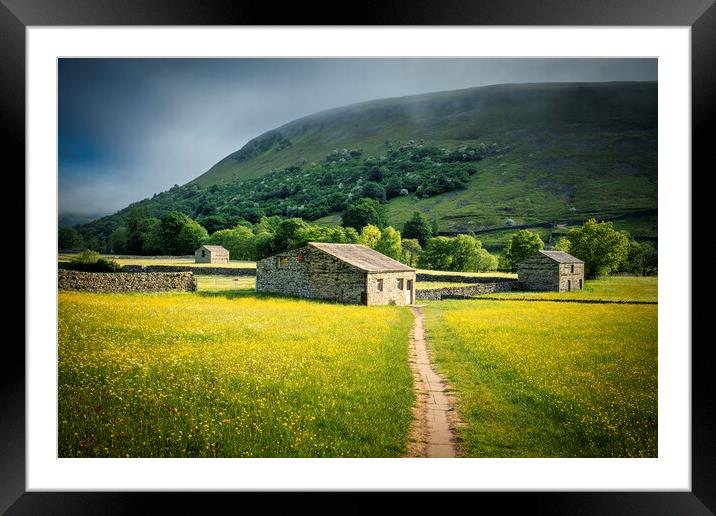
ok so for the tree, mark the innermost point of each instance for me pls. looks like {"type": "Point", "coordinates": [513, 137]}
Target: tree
{"type": "Point", "coordinates": [363, 212]}
{"type": "Point", "coordinates": [170, 226]}
{"type": "Point", "coordinates": [601, 247]}
{"type": "Point", "coordinates": [642, 258]}
{"type": "Point", "coordinates": [486, 261]}
{"type": "Point", "coordinates": [523, 244]}
{"type": "Point", "coordinates": [134, 233]}
{"type": "Point", "coordinates": [190, 237]}
{"type": "Point", "coordinates": [337, 234]}
{"type": "Point", "coordinates": [286, 232]}
{"type": "Point", "coordinates": [465, 253]}
{"type": "Point", "coordinates": [437, 255]}
{"type": "Point", "coordinates": [370, 235]}
{"type": "Point", "coordinates": [69, 238]}
{"type": "Point", "coordinates": [151, 239]}
{"type": "Point", "coordinates": [418, 228]}
{"type": "Point", "coordinates": [235, 240]}
{"type": "Point", "coordinates": [374, 191]}
{"type": "Point", "coordinates": [411, 251]}
{"type": "Point", "coordinates": [389, 243]}
{"type": "Point", "coordinates": [118, 240]}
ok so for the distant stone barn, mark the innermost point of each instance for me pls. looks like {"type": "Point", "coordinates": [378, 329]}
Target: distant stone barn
{"type": "Point", "coordinates": [211, 254]}
{"type": "Point", "coordinates": [551, 270]}
{"type": "Point", "coordinates": [347, 273]}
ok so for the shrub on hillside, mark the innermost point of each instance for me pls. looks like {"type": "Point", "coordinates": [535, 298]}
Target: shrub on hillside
{"type": "Point", "coordinates": [91, 261]}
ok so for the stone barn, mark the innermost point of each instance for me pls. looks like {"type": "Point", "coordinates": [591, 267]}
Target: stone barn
{"type": "Point", "coordinates": [551, 270]}
{"type": "Point", "coordinates": [347, 273]}
{"type": "Point", "coordinates": [211, 254]}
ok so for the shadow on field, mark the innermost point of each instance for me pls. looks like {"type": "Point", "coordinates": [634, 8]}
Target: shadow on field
{"type": "Point", "coordinates": [238, 294]}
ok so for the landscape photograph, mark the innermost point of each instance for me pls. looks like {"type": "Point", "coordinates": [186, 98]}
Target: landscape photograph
{"type": "Point", "coordinates": [357, 257]}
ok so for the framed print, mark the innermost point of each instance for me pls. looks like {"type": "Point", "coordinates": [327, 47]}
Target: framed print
{"type": "Point", "coordinates": [595, 115]}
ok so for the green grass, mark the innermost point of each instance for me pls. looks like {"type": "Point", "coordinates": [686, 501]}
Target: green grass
{"type": "Point", "coordinates": [222, 374]}
{"type": "Point", "coordinates": [221, 283]}
{"type": "Point", "coordinates": [549, 379]}
{"type": "Point", "coordinates": [612, 288]}
{"type": "Point", "coordinates": [492, 274]}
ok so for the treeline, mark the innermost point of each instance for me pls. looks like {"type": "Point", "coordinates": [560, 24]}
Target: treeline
{"type": "Point", "coordinates": [602, 248]}
{"type": "Point", "coordinates": [316, 189]}
{"type": "Point", "coordinates": [363, 222]}
{"type": "Point", "coordinates": [598, 244]}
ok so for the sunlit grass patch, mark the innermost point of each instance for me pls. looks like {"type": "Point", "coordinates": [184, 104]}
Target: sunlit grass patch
{"type": "Point", "coordinates": [191, 375]}
{"type": "Point", "coordinates": [550, 379]}
{"type": "Point", "coordinates": [613, 288]}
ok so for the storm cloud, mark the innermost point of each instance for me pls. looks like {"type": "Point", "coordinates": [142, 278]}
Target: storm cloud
{"type": "Point", "coordinates": [129, 128]}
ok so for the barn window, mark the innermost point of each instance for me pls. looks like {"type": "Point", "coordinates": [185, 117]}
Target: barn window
{"type": "Point", "coordinates": [203, 253]}
{"type": "Point", "coordinates": [283, 261]}
{"type": "Point", "coordinates": [380, 285]}
{"type": "Point", "coordinates": [572, 271]}
{"type": "Point", "coordinates": [400, 283]}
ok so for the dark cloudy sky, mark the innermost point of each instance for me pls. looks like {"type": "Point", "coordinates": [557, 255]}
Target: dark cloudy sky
{"type": "Point", "coordinates": [129, 128]}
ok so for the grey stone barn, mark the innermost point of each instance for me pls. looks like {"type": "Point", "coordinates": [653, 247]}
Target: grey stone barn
{"type": "Point", "coordinates": [551, 270]}
{"type": "Point", "coordinates": [211, 254]}
{"type": "Point", "coordinates": [347, 273]}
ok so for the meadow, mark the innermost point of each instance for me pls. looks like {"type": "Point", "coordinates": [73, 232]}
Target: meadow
{"type": "Point", "coordinates": [230, 374]}
{"type": "Point", "coordinates": [609, 288]}
{"type": "Point", "coordinates": [537, 379]}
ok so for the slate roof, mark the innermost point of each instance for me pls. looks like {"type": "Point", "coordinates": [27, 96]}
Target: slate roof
{"type": "Point", "coordinates": [214, 248]}
{"type": "Point", "coordinates": [561, 257]}
{"type": "Point", "coordinates": [362, 257]}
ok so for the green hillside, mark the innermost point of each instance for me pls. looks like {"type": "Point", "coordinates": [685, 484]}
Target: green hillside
{"type": "Point", "coordinates": [538, 153]}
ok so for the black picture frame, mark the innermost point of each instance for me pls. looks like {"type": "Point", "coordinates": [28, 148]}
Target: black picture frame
{"type": "Point", "coordinates": [16, 15]}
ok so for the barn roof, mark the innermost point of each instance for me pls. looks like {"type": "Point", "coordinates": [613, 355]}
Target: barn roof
{"type": "Point", "coordinates": [561, 257]}
{"type": "Point", "coordinates": [362, 257]}
{"type": "Point", "coordinates": [214, 248]}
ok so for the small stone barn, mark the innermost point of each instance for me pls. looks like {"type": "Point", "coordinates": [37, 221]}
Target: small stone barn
{"type": "Point", "coordinates": [347, 273]}
{"type": "Point", "coordinates": [551, 270]}
{"type": "Point", "coordinates": [211, 254]}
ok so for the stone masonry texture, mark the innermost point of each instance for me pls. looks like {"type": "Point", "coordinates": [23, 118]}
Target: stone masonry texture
{"type": "Point", "coordinates": [126, 282]}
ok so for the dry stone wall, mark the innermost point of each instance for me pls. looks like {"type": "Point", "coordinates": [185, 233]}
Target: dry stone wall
{"type": "Point", "coordinates": [126, 282]}
{"type": "Point", "coordinates": [470, 290]}
{"type": "Point", "coordinates": [218, 271]}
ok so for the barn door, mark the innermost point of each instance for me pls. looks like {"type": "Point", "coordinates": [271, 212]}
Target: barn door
{"type": "Point", "coordinates": [409, 292]}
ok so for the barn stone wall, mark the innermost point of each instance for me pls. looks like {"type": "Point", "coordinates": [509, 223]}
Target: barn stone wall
{"type": "Point", "coordinates": [211, 257]}
{"type": "Point", "coordinates": [126, 282]}
{"type": "Point", "coordinates": [390, 295]}
{"type": "Point", "coordinates": [310, 273]}
{"type": "Point", "coordinates": [541, 273]}
{"type": "Point", "coordinates": [469, 290]}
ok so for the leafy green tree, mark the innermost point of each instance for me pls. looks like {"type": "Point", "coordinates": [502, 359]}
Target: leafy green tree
{"type": "Point", "coordinates": [411, 251]}
{"type": "Point", "coordinates": [642, 258]}
{"type": "Point", "coordinates": [286, 232]}
{"type": "Point", "coordinates": [370, 235]}
{"type": "Point", "coordinates": [562, 245]}
{"type": "Point", "coordinates": [523, 244]}
{"type": "Point", "coordinates": [485, 261]}
{"type": "Point", "coordinates": [235, 240]}
{"type": "Point", "coordinates": [363, 212]}
{"type": "Point", "coordinates": [418, 228]}
{"type": "Point", "coordinates": [170, 225]}
{"type": "Point", "coordinates": [151, 238]}
{"type": "Point", "coordinates": [135, 235]}
{"type": "Point", "coordinates": [465, 253]}
{"type": "Point", "coordinates": [69, 238]}
{"type": "Point", "coordinates": [374, 191]}
{"type": "Point", "coordinates": [118, 240]}
{"type": "Point", "coordinates": [191, 236]}
{"type": "Point", "coordinates": [390, 243]}
{"type": "Point", "coordinates": [261, 245]}
{"type": "Point", "coordinates": [602, 248]}
{"type": "Point", "coordinates": [337, 234]}
{"type": "Point", "coordinates": [437, 255]}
